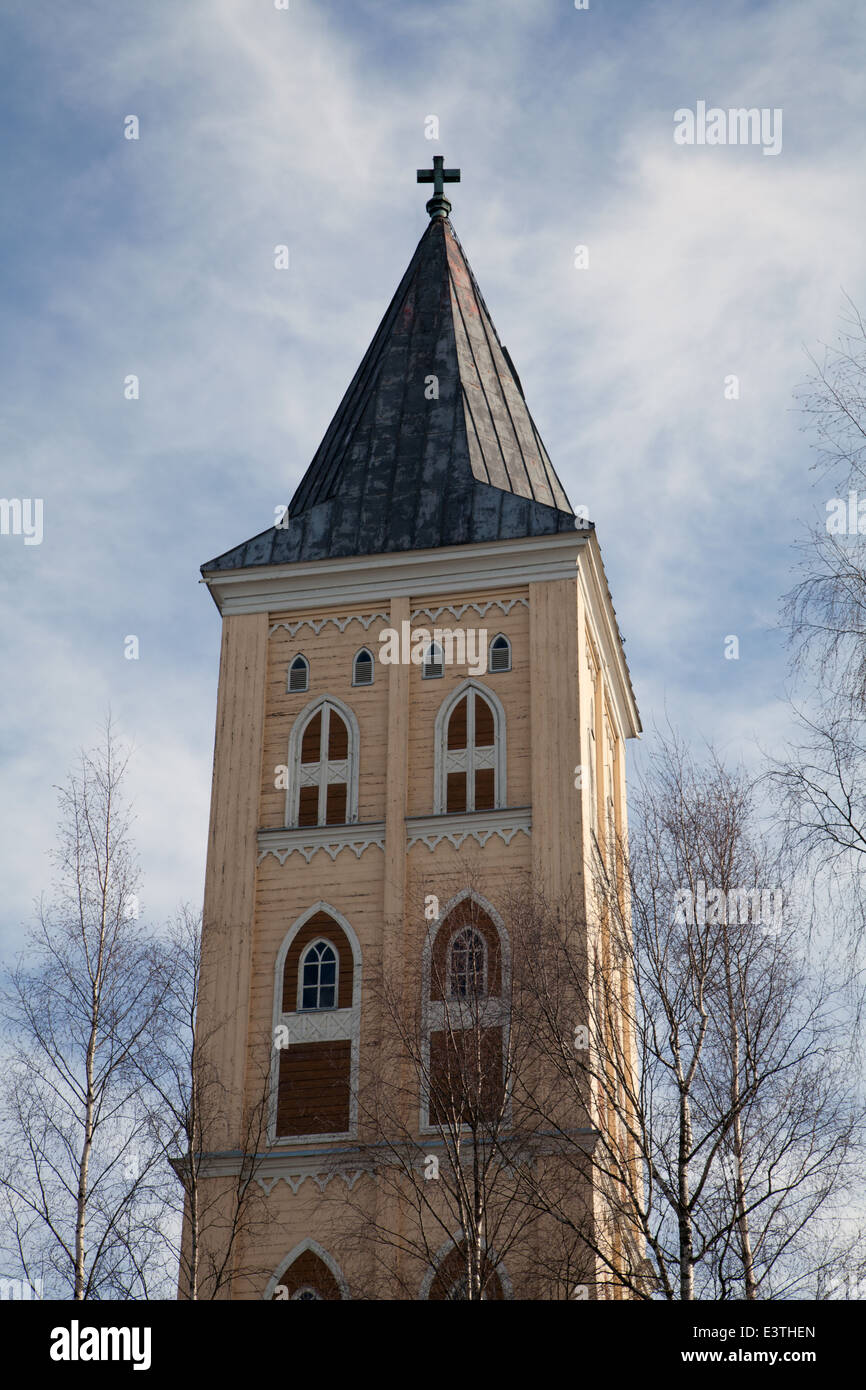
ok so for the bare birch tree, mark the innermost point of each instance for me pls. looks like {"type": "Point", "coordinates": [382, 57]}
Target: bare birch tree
{"type": "Point", "coordinates": [442, 1103]}
{"type": "Point", "coordinates": [225, 1214]}
{"type": "Point", "coordinates": [716, 1055]}
{"type": "Point", "coordinates": [80, 1006]}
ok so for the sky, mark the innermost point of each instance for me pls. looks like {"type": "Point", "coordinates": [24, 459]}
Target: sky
{"type": "Point", "coordinates": [304, 127]}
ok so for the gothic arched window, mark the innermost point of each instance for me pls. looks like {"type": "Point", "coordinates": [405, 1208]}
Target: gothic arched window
{"type": "Point", "coordinates": [323, 763]}
{"type": "Point", "coordinates": [465, 1017]}
{"type": "Point", "coordinates": [306, 1275]}
{"type": "Point", "coordinates": [362, 668]}
{"type": "Point", "coordinates": [317, 1011]}
{"type": "Point", "coordinates": [470, 752]}
{"type": "Point", "coordinates": [317, 982]}
{"type": "Point", "coordinates": [299, 674]}
{"type": "Point", "coordinates": [500, 654]}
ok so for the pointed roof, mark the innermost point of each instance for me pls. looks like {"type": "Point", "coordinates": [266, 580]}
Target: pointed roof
{"type": "Point", "coordinates": [432, 445]}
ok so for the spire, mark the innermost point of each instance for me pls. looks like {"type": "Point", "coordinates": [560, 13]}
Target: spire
{"type": "Point", "coordinates": [433, 444]}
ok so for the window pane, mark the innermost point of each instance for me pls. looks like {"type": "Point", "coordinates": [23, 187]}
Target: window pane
{"type": "Point", "coordinates": [338, 739]}
{"type": "Point", "coordinates": [336, 808]}
{"type": "Point", "coordinates": [308, 997]}
{"type": "Point", "coordinates": [457, 725]}
{"type": "Point", "coordinates": [308, 806]}
{"type": "Point", "coordinates": [456, 791]}
{"type": "Point", "coordinates": [483, 723]}
{"type": "Point", "coordinates": [484, 789]}
{"type": "Point", "coordinates": [328, 972]}
{"type": "Point", "coordinates": [312, 739]}
{"type": "Point", "coordinates": [326, 997]}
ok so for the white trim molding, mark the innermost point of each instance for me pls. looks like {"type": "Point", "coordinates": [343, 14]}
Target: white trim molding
{"type": "Point", "coordinates": [365, 619]}
{"type": "Point", "coordinates": [301, 1249]}
{"type": "Point", "coordinates": [313, 584]}
{"type": "Point", "coordinates": [331, 838]}
{"type": "Point", "coordinates": [469, 825]}
{"type": "Point", "coordinates": [505, 606]}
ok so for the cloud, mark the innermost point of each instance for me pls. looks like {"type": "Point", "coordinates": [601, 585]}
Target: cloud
{"type": "Point", "coordinates": [261, 127]}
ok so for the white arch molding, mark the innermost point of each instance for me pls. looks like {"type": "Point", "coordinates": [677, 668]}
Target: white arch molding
{"type": "Point", "coordinates": [300, 1249]}
{"type": "Point", "coordinates": [445, 1250]}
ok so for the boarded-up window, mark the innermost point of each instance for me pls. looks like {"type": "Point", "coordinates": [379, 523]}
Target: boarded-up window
{"type": "Point", "coordinates": [314, 1089]}
{"type": "Point", "coordinates": [466, 1083]}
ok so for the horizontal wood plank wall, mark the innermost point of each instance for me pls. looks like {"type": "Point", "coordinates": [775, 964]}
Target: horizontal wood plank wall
{"type": "Point", "coordinates": [330, 653]}
{"type": "Point", "coordinates": [231, 861]}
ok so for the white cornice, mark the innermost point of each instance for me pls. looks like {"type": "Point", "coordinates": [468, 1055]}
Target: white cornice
{"type": "Point", "coordinates": [476, 825]}
{"type": "Point", "coordinates": [406, 574]}
{"type": "Point", "coordinates": [331, 838]}
{"type": "Point", "coordinates": [601, 607]}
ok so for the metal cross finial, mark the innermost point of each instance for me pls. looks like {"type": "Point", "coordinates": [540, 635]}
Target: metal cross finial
{"type": "Point", "coordinates": [438, 205]}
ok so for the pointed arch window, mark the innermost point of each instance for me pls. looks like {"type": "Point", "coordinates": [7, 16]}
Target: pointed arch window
{"type": "Point", "coordinates": [362, 667]}
{"type": "Point", "coordinates": [433, 664]}
{"type": "Point", "coordinates": [317, 978]}
{"type": "Point", "coordinates": [299, 674]}
{"type": "Point", "coordinates": [470, 752]}
{"type": "Point", "coordinates": [323, 763]}
{"type": "Point", "coordinates": [317, 1021]}
{"type": "Point", "coordinates": [465, 972]}
{"type": "Point", "coordinates": [500, 654]}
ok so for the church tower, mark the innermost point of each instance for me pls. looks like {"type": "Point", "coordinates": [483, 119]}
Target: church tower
{"type": "Point", "coordinates": [416, 661]}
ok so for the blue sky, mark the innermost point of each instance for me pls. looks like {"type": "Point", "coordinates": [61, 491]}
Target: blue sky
{"type": "Point", "coordinates": [260, 127]}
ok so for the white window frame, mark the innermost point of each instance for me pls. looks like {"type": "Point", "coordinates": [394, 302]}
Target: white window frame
{"type": "Point", "coordinates": [299, 656]}
{"type": "Point", "coordinates": [319, 941]}
{"type": "Point", "coordinates": [325, 772]}
{"type": "Point", "coordinates": [363, 684]}
{"type": "Point", "coordinates": [300, 1249]}
{"type": "Point", "coordinates": [469, 758]}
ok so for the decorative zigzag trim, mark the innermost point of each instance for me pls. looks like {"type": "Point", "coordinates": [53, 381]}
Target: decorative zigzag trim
{"type": "Point", "coordinates": [457, 610]}
{"type": "Point", "coordinates": [365, 619]}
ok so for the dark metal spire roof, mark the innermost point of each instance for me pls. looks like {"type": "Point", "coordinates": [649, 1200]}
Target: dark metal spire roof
{"type": "Point", "coordinates": [433, 443]}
